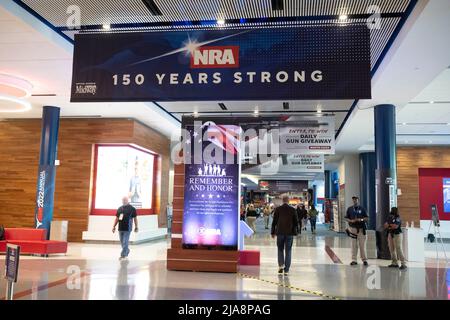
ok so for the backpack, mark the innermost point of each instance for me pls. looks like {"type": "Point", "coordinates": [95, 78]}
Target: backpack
{"type": "Point", "coordinates": [2, 233]}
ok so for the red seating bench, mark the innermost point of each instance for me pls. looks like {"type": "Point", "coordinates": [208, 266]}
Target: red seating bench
{"type": "Point", "coordinates": [32, 241]}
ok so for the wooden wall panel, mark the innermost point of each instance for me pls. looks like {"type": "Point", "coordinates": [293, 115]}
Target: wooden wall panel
{"type": "Point", "coordinates": [19, 142]}
{"type": "Point", "coordinates": [409, 160]}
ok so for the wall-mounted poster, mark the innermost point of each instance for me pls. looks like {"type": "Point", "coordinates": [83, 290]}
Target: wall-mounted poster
{"type": "Point", "coordinates": [212, 188]}
{"type": "Point", "coordinates": [123, 170]}
{"type": "Point", "coordinates": [446, 190]}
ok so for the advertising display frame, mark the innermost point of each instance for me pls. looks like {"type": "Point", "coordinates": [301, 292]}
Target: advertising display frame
{"type": "Point", "coordinates": [211, 222]}
{"type": "Point", "coordinates": [110, 212]}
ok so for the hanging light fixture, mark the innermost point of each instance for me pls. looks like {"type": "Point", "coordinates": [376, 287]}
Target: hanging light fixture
{"type": "Point", "coordinates": [13, 92]}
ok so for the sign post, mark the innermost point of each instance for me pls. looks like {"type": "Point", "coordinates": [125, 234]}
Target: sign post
{"type": "Point", "coordinates": [12, 268]}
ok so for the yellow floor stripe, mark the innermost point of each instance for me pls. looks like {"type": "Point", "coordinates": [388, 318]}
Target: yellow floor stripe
{"type": "Point", "coordinates": [315, 293]}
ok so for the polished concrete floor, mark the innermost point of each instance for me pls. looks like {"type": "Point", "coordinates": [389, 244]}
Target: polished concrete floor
{"type": "Point", "coordinates": [320, 270]}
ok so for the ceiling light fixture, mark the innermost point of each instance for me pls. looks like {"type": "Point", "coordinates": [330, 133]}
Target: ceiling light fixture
{"type": "Point", "coordinates": [220, 22]}
{"type": "Point", "coordinates": [343, 17]}
{"type": "Point", "coordinates": [13, 86]}
{"type": "Point", "coordinates": [106, 27]}
{"type": "Point", "coordinates": [24, 105]}
{"type": "Point", "coordinates": [431, 102]}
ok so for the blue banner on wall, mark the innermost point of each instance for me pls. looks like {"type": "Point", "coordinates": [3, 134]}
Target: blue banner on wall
{"type": "Point", "coordinates": [326, 62]}
{"type": "Point", "coordinates": [44, 197]}
{"type": "Point", "coordinates": [212, 188]}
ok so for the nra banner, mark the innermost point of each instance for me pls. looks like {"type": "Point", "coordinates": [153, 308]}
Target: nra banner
{"type": "Point", "coordinates": [326, 62]}
{"type": "Point", "coordinates": [312, 135]}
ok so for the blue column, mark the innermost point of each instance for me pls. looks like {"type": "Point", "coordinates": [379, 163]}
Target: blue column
{"type": "Point", "coordinates": [46, 175]}
{"type": "Point", "coordinates": [386, 171]}
{"type": "Point", "coordinates": [335, 183]}
{"type": "Point", "coordinates": [328, 184]}
{"type": "Point", "coordinates": [367, 166]}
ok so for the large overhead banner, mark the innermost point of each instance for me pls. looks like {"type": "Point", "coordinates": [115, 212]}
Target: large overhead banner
{"type": "Point", "coordinates": [326, 62]}
{"type": "Point", "coordinates": [312, 135]}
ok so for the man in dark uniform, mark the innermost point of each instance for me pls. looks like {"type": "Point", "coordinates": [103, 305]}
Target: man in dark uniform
{"type": "Point", "coordinates": [124, 217]}
{"type": "Point", "coordinates": [394, 227]}
{"type": "Point", "coordinates": [284, 226]}
{"type": "Point", "coordinates": [357, 218]}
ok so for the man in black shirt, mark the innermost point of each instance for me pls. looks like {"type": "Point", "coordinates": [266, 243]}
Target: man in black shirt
{"type": "Point", "coordinates": [124, 217]}
{"type": "Point", "coordinates": [394, 227]}
{"type": "Point", "coordinates": [357, 218]}
{"type": "Point", "coordinates": [284, 226]}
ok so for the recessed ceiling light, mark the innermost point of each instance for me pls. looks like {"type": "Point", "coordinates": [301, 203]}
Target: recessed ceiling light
{"type": "Point", "coordinates": [9, 104]}
{"type": "Point", "coordinates": [431, 102]}
{"type": "Point", "coordinates": [220, 22]}
{"type": "Point", "coordinates": [106, 27]}
{"type": "Point", "coordinates": [195, 113]}
{"type": "Point", "coordinates": [319, 110]}
{"type": "Point", "coordinates": [404, 124]}
{"type": "Point", "coordinates": [430, 141]}
{"type": "Point", "coordinates": [343, 17]}
{"type": "Point", "coordinates": [256, 111]}
{"type": "Point", "coordinates": [13, 86]}
{"type": "Point", "coordinates": [406, 141]}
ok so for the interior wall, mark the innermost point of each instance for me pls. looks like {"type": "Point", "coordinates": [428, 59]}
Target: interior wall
{"type": "Point", "coordinates": [409, 160]}
{"type": "Point", "coordinates": [19, 142]}
{"type": "Point", "coordinates": [348, 170]}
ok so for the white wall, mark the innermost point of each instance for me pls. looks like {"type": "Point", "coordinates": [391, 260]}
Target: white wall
{"type": "Point", "coordinates": [349, 175]}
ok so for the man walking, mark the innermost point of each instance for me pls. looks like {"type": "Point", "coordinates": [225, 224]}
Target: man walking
{"type": "Point", "coordinates": [124, 217]}
{"type": "Point", "coordinates": [284, 226]}
{"type": "Point", "coordinates": [357, 218]}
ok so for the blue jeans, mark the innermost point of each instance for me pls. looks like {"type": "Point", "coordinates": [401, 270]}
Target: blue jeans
{"type": "Point", "coordinates": [284, 244]}
{"type": "Point", "coordinates": [313, 224]}
{"type": "Point", "coordinates": [124, 238]}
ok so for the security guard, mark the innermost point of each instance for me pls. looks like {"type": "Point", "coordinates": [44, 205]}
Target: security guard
{"type": "Point", "coordinates": [357, 218]}
{"type": "Point", "coordinates": [394, 227]}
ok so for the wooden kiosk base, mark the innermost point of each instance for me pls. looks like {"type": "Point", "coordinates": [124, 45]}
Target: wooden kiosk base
{"type": "Point", "coordinates": [193, 259]}
{"type": "Point", "coordinates": [202, 260]}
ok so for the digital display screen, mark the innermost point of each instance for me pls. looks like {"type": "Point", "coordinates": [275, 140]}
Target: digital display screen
{"type": "Point", "coordinates": [212, 190]}
{"type": "Point", "coordinates": [123, 171]}
{"type": "Point", "coordinates": [446, 190]}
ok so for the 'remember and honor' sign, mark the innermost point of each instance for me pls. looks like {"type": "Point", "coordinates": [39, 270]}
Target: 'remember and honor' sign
{"type": "Point", "coordinates": [320, 62]}
{"type": "Point", "coordinates": [212, 187]}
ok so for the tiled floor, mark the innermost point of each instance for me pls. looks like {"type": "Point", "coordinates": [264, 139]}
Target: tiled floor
{"type": "Point", "coordinates": [92, 271]}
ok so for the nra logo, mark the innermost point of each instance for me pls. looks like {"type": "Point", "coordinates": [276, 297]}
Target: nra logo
{"type": "Point", "coordinates": [215, 57]}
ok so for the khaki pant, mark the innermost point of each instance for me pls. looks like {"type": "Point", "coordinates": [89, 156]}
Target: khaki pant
{"type": "Point", "coordinates": [395, 248]}
{"type": "Point", "coordinates": [358, 242]}
{"type": "Point", "coordinates": [251, 221]}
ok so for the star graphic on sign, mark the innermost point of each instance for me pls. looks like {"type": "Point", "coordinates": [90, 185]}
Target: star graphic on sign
{"type": "Point", "coordinates": [195, 134]}
{"type": "Point", "coordinates": [218, 196]}
{"type": "Point", "coordinates": [200, 141]}
{"type": "Point", "coordinates": [188, 141]}
{"type": "Point", "coordinates": [210, 196]}
{"type": "Point", "coordinates": [203, 195]}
